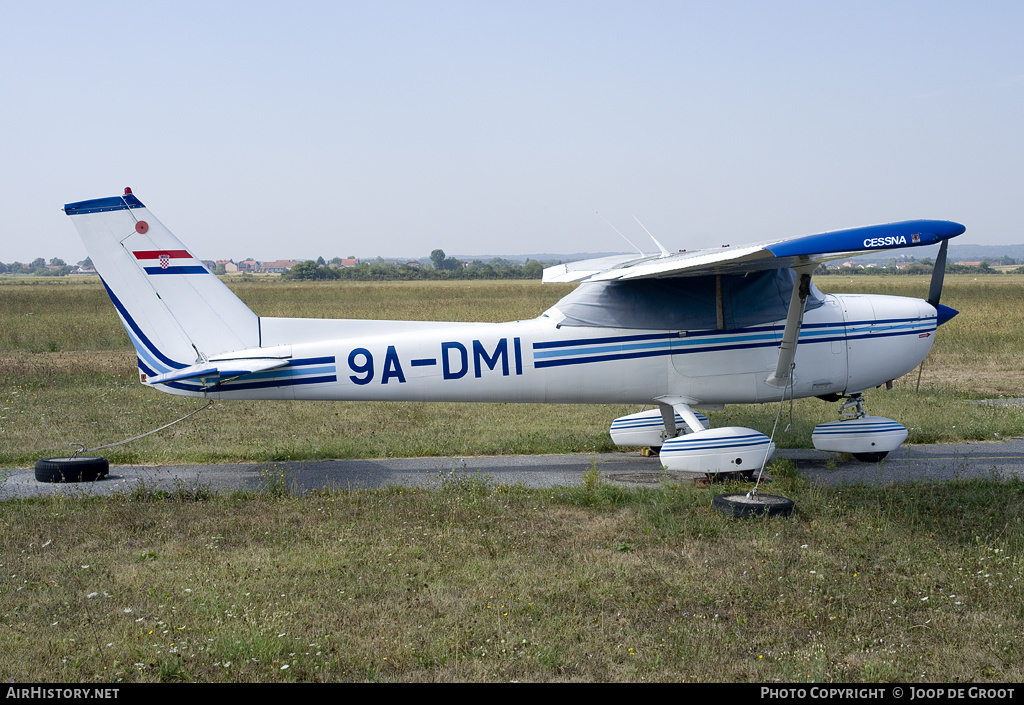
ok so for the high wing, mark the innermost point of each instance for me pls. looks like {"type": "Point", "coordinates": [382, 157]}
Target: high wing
{"type": "Point", "coordinates": [801, 254]}
{"type": "Point", "coordinates": [778, 254]}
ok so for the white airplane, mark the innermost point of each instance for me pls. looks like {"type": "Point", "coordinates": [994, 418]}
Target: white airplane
{"type": "Point", "coordinates": [684, 331]}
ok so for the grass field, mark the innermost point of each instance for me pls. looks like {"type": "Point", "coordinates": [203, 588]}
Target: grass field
{"type": "Point", "coordinates": [477, 581]}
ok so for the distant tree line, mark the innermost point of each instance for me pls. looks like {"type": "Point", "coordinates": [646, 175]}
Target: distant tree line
{"type": "Point", "coordinates": [440, 267]}
{"type": "Point", "coordinates": [923, 266]}
{"type": "Point", "coordinates": [40, 268]}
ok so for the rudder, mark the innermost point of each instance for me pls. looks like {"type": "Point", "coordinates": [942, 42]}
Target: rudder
{"type": "Point", "coordinates": [176, 312]}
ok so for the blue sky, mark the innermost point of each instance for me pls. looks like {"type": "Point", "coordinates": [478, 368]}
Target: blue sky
{"type": "Point", "coordinates": [274, 130]}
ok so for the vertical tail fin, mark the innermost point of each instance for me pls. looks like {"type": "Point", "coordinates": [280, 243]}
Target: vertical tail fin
{"type": "Point", "coordinates": [175, 311]}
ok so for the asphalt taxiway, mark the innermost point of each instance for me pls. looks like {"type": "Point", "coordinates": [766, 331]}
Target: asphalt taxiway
{"type": "Point", "coordinates": [912, 463]}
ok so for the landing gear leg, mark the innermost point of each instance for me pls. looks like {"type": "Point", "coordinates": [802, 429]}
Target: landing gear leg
{"type": "Point", "coordinates": [854, 409]}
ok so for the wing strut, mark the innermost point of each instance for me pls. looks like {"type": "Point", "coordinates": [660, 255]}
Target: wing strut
{"type": "Point", "coordinates": [797, 302]}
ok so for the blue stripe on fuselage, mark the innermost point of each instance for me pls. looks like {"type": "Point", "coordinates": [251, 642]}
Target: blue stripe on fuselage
{"type": "Point", "coordinates": [572, 352]}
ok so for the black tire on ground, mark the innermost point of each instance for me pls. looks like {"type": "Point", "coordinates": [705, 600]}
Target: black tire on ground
{"type": "Point", "coordinates": [83, 468]}
{"type": "Point", "coordinates": [739, 505]}
{"type": "Point", "coordinates": [870, 457]}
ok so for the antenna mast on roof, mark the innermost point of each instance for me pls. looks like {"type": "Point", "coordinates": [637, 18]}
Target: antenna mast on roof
{"type": "Point", "coordinates": [664, 252]}
{"type": "Point", "coordinates": [642, 254]}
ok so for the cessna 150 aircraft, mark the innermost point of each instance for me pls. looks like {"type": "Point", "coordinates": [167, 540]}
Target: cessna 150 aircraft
{"type": "Point", "coordinates": [681, 331]}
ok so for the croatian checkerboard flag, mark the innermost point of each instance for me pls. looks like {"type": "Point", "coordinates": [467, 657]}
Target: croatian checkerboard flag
{"type": "Point", "coordinates": [169, 262]}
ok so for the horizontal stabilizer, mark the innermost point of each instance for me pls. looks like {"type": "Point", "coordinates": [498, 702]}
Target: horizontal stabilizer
{"type": "Point", "coordinates": [222, 369]}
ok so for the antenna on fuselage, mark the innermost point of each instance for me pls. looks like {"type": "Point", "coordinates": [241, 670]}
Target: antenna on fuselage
{"type": "Point", "coordinates": [664, 252]}
{"type": "Point", "coordinates": [642, 253]}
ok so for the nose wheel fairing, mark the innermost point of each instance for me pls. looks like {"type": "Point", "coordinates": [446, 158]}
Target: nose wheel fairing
{"type": "Point", "coordinates": [867, 438]}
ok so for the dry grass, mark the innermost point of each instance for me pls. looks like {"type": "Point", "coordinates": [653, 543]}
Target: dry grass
{"type": "Point", "coordinates": [473, 581]}
{"type": "Point", "coordinates": [477, 582]}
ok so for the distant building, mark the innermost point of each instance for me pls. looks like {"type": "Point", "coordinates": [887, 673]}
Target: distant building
{"type": "Point", "coordinates": [278, 266]}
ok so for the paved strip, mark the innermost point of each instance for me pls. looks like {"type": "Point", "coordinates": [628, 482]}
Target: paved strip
{"type": "Point", "coordinates": [924, 463]}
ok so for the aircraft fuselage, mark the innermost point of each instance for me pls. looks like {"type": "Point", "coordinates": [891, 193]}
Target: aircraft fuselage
{"type": "Point", "coordinates": [849, 344]}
